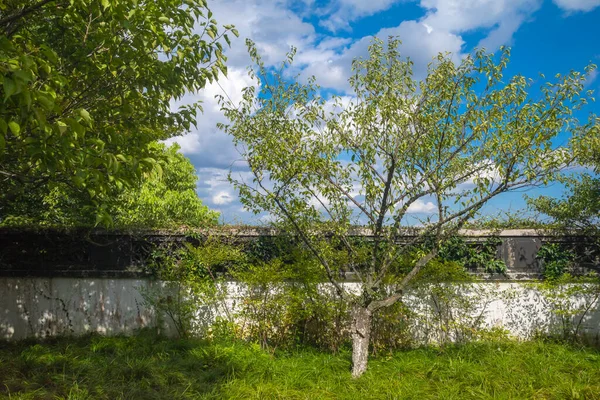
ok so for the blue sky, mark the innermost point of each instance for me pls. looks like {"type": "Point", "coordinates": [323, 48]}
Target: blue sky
{"type": "Point", "coordinates": [552, 36]}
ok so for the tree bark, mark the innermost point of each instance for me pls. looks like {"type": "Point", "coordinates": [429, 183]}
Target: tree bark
{"type": "Point", "coordinates": [361, 334]}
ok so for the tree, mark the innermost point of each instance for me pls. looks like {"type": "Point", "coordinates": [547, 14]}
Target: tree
{"type": "Point", "coordinates": [579, 208]}
{"type": "Point", "coordinates": [88, 88]}
{"type": "Point", "coordinates": [454, 140]}
{"type": "Point", "coordinates": [576, 212]}
{"type": "Point", "coordinates": [167, 200]}
{"type": "Point", "coordinates": [164, 198]}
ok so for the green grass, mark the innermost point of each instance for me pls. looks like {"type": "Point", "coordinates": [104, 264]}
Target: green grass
{"type": "Point", "coordinates": [147, 367]}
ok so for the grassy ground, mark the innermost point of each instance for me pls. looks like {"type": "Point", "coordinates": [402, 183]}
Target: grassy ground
{"type": "Point", "coordinates": [146, 367]}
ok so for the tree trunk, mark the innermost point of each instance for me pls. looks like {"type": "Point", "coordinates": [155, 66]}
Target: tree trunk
{"type": "Point", "coordinates": [361, 334]}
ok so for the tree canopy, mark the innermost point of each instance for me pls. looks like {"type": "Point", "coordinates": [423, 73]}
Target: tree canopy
{"type": "Point", "coordinates": [88, 88]}
{"type": "Point", "coordinates": [446, 144]}
{"type": "Point", "coordinates": [579, 208]}
{"type": "Point", "coordinates": [164, 198]}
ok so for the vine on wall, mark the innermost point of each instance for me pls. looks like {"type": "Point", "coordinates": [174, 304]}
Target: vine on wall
{"type": "Point", "coordinates": [281, 299]}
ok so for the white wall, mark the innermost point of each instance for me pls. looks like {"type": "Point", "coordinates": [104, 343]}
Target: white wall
{"type": "Point", "coordinates": [43, 307]}
{"type": "Point", "coordinates": [54, 306]}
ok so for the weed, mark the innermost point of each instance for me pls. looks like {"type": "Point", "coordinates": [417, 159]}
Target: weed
{"type": "Point", "coordinates": [150, 367]}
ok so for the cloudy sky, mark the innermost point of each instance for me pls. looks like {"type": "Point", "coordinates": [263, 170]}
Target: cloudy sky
{"type": "Point", "coordinates": [551, 36]}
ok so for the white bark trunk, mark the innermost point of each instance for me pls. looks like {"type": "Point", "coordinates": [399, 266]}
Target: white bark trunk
{"type": "Point", "coordinates": [361, 334]}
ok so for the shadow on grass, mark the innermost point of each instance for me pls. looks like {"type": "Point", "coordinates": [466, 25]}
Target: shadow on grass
{"type": "Point", "coordinates": [139, 367]}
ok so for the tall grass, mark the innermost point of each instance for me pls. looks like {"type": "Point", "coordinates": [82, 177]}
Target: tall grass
{"type": "Point", "coordinates": [149, 367]}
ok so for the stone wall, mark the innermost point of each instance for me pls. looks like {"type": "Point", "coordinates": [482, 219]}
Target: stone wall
{"type": "Point", "coordinates": [56, 283]}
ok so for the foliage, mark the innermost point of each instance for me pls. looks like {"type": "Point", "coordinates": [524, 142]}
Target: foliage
{"type": "Point", "coordinates": [570, 301]}
{"type": "Point", "coordinates": [165, 200]}
{"type": "Point", "coordinates": [282, 299]}
{"type": "Point", "coordinates": [521, 219]}
{"type": "Point", "coordinates": [447, 303]}
{"type": "Point", "coordinates": [455, 140]}
{"type": "Point", "coordinates": [556, 260]}
{"type": "Point", "coordinates": [146, 367]}
{"type": "Point", "coordinates": [579, 208]}
{"type": "Point", "coordinates": [445, 306]}
{"type": "Point", "coordinates": [190, 288]}
{"type": "Point", "coordinates": [88, 87]}
{"type": "Point", "coordinates": [283, 305]}
{"type": "Point", "coordinates": [168, 200]}
{"type": "Point", "coordinates": [480, 255]}
{"type": "Point", "coordinates": [277, 302]}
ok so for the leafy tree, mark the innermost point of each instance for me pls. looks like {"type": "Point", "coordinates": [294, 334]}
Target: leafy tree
{"type": "Point", "coordinates": [165, 201]}
{"type": "Point", "coordinates": [579, 208]}
{"type": "Point", "coordinates": [161, 200]}
{"type": "Point", "coordinates": [87, 87]}
{"type": "Point", "coordinates": [576, 212]}
{"type": "Point", "coordinates": [460, 137]}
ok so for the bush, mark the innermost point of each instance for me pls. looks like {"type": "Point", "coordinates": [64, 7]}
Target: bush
{"type": "Point", "coordinates": [556, 260]}
{"type": "Point", "coordinates": [283, 300]}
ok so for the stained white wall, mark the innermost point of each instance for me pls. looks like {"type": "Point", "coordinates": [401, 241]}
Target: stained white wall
{"type": "Point", "coordinates": [40, 307]}
{"type": "Point", "coordinates": [54, 306]}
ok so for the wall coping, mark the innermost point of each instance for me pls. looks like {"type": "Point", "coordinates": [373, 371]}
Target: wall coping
{"type": "Point", "coordinates": [253, 231]}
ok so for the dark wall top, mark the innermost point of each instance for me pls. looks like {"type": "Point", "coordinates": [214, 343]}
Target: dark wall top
{"type": "Point", "coordinates": [85, 253]}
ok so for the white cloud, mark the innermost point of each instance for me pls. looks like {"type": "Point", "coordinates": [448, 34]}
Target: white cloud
{"type": "Point", "coordinates": [274, 27]}
{"type": "Point", "coordinates": [419, 42]}
{"type": "Point", "coordinates": [501, 18]}
{"type": "Point", "coordinates": [319, 202]}
{"type": "Point", "coordinates": [218, 194]}
{"type": "Point", "coordinates": [488, 172]}
{"type": "Point", "coordinates": [222, 198]}
{"type": "Point", "coordinates": [339, 13]}
{"type": "Point", "coordinates": [591, 78]}
{"type": "Point", "coordinates": [212, 183]}
{"type": "Point", "coordinates": [421, 206]}
{"type": "Point", "coordinates": [466, 15]}
{"type": "Point", "coordinates": [503, 33]}
{"type": "Point", "coordinates": [271, 24]}
{"type": "Point", "coordinates": [440, 30]}
{"type": "Point", "coordinates": [206, 145]}
{"type": "Point", "coordinates": [577, 5]}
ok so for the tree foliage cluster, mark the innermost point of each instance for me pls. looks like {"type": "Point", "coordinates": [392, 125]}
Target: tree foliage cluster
{"type": "Point", "coordinates": [579, 209]}
{"type": "Point", "coordinates": [88, 89]}
{"type": "Point", "coordinates": [163, 198]}
{"type": "Point", "coordinates": [577, 212]}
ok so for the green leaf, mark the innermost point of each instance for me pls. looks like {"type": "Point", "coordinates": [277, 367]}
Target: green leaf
{"type": "Point", "coordinates": [24, 76]}
{"type": "Point", "coordinates": [10, 87]}
{"type": "Point", "coordinates": [62, 127]}
{"type": "Point", "coordinates": [85, 115]}
{"type": "Point", "coordinates": [14, 128]}
{"type": "Point", "coordinates": [46, 102]}
{"type": "Point", "coordinates": [78, 181]}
